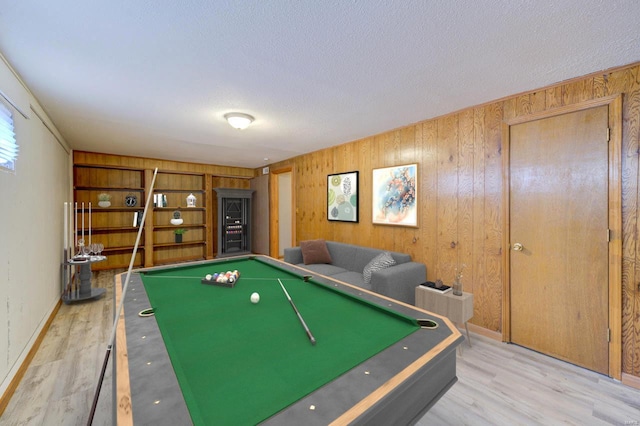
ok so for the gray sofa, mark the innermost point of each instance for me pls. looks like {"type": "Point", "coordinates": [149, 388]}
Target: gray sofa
{"type": "Point", "coordinates": [348, 262]}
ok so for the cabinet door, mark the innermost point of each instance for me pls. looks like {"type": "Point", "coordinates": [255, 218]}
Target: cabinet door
{"type": "Point", "coordinates": [234, 225]}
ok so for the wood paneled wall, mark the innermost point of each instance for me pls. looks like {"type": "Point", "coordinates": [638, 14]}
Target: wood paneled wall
{"type": "Point", "coordinates": [460, 193]}
{"type": "Point", "coordinates": [95, 158]}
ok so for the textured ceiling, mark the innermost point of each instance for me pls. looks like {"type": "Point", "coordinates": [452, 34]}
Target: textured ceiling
{"type": "Point", "coordinates": [154, 78]}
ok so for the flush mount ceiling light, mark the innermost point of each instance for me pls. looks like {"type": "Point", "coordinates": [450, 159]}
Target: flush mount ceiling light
{"type": "Point", "coordinates": [238, 120]}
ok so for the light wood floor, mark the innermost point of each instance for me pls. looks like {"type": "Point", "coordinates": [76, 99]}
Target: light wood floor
{"type": "Point", "coordinates": [499, 384]}
{"type": "Point", "coordinates": [59, 385]}
{"type": "Point", "coordinates": [504, 384]}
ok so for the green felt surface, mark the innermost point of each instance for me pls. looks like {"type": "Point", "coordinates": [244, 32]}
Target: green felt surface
{"type": "Point", "coordinates": [240, 363]}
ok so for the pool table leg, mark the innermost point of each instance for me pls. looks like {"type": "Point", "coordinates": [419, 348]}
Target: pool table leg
{"type": "Point", "coordinates": [466, 327]}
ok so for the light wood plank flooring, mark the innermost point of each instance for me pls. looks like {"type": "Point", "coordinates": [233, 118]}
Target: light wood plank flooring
{"type": "Point", "coordinates": [499, 384]}
{"type": "Point", "coordinates": [504, 384]}
{"type": "Point", "coordinates": [59, 385]}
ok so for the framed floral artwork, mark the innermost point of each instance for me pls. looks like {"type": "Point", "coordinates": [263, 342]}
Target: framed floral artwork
{"type": "Point", "coordinates": [342, 197]}
{"type": "Point", "coordinates": [395, 195]}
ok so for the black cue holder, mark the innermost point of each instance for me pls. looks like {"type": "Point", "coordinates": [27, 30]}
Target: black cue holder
{"type": "Point", "coordinates": [214, 282]}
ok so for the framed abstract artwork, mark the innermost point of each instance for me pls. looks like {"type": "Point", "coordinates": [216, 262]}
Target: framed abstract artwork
{"type": "Point", "coordinates": [395, 195]}
{"type": "Point", "coordinates": [342, 197]}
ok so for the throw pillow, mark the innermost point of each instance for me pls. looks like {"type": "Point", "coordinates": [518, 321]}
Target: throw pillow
{"type": "Point", "coordinates": [315, 251]}
{"type": "Point", "coordinates": [381, 261]}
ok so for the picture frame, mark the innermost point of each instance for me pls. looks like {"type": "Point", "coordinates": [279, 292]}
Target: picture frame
{"type": "Point", "coordinates": [395, 196]}
{"type": "Point", "coordinates": [342, 197]}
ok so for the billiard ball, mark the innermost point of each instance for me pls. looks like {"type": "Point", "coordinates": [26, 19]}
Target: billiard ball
{"type": "Point", "coordinates": [255, 298]}
{"type": "Point", "coordinates": [208, 277]}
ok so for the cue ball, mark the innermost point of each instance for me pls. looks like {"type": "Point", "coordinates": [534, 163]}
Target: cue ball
{"type": "Point", "coordinates": [255, 298]}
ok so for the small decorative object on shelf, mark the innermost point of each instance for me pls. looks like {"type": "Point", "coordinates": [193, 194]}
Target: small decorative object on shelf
{"type": "Point", "coordinates": [104, 200]}
{"type": "Point", "coordinates": [137, 218]}
{"type": "Point", "coordinates": [436, 286]}
{"type": "Point", "coordinates": [177, 218]}
{"type": "Point", "coordinates": [457, 282]}
{"type": "Point", "coordinates": [159, 200]}
{"type": "Point", "coordinates": [131, 200]}
{"type": "Point", "coordinates": [191, 200]}
{"type": "Point", "coordinates": [178, 234]}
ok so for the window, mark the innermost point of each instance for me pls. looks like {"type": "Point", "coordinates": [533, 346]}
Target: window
{"type": "Point", "coordinates": [8, 146]}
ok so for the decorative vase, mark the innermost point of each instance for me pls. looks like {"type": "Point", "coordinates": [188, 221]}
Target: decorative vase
{"type": "Point", "coordinates": [178, 238]}
{"type": "Point", "coordinates": [176, 221]}
{"type": "Point", "coordinates": [457, 288]}
{"type": "Point", "coordinates": [191, 200]}
{"type": "Point", "coordinates": [104, 203]}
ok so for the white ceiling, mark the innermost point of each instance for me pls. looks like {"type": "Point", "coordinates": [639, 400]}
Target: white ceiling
{"type": "Point", "coordinates": [154, 78]}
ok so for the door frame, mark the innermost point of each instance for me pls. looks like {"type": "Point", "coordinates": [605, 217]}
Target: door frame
{"type": "Point", "coordinates": [274, 217]}
{"type": "Point", "coordinates": [614, 103]}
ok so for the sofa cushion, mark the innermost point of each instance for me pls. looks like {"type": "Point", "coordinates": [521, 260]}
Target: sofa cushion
{"type": "Point", "coordinates": [353, 278]}
{"type": "Point", "coordinates": [401, 257]}
{"type": "Point", "coordinates": [381, 261]}
{"type": "Point", "coordinates": [342, 255]}
{"type": "Point", "coordinates": [315, 251]}
{"type": "Point", "coordinates": [364, 255]}
{"type": "Point", "coordinates": [324, 269]}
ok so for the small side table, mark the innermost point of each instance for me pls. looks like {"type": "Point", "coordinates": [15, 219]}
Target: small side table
{"type": "Point", "coordinates": [458, 309]}
{"type": "Point", "coordinates": [80, 289]}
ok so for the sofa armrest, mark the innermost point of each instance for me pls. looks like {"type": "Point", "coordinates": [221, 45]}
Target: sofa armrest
{"type": "Point", "coordinates": [399, 281]}
{"type": "Point", "coordinates": [293, 255]}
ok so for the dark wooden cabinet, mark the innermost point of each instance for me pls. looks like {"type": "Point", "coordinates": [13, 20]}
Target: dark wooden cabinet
{"type": "Point", "coordinates": [234, 221]}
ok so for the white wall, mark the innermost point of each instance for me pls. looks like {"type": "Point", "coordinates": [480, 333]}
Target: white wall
{"type": "Point", "coordinates": [31, 227]}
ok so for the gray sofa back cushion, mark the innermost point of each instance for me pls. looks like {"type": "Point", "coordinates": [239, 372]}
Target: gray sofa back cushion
{"type": "Point", "coordinates": [342, 255]}
{"type": "Point", "coordinates": [355, 258]}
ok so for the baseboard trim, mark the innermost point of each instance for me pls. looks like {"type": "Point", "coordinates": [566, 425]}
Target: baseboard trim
{"type": "Point", "coordinates": [495, 335]}
{"type": "Point", "coordinates": [631, 381]}
{"type": "Point", "coordinates": [6, 396]}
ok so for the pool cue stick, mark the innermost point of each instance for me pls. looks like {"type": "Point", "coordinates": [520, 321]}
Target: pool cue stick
{"type": "Point", "coordinates": [121, 304]}
{"type": "Point", "coordinates": [293, 305]}
{"type": "Point", "coordinates": [75, 211]}
{"type": "Point", "coordinates": [64, 251]}
{"type": "Point", "coordinates": [66, 227]}
{"type": "Point", "coordinates": [65, 270]}
{"type": "Point", "coordinates": [73, 243]}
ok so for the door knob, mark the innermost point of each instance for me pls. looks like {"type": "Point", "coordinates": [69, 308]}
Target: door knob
{"type": "Point", "coordinates": [517, 247]}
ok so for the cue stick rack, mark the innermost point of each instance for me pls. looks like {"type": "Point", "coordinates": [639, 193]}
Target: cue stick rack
{"type": "Point", "coordinates": [76, 265]}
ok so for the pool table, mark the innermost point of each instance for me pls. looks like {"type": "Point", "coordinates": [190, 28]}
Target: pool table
{"type": "Point", "coordinates": [209, 355]}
